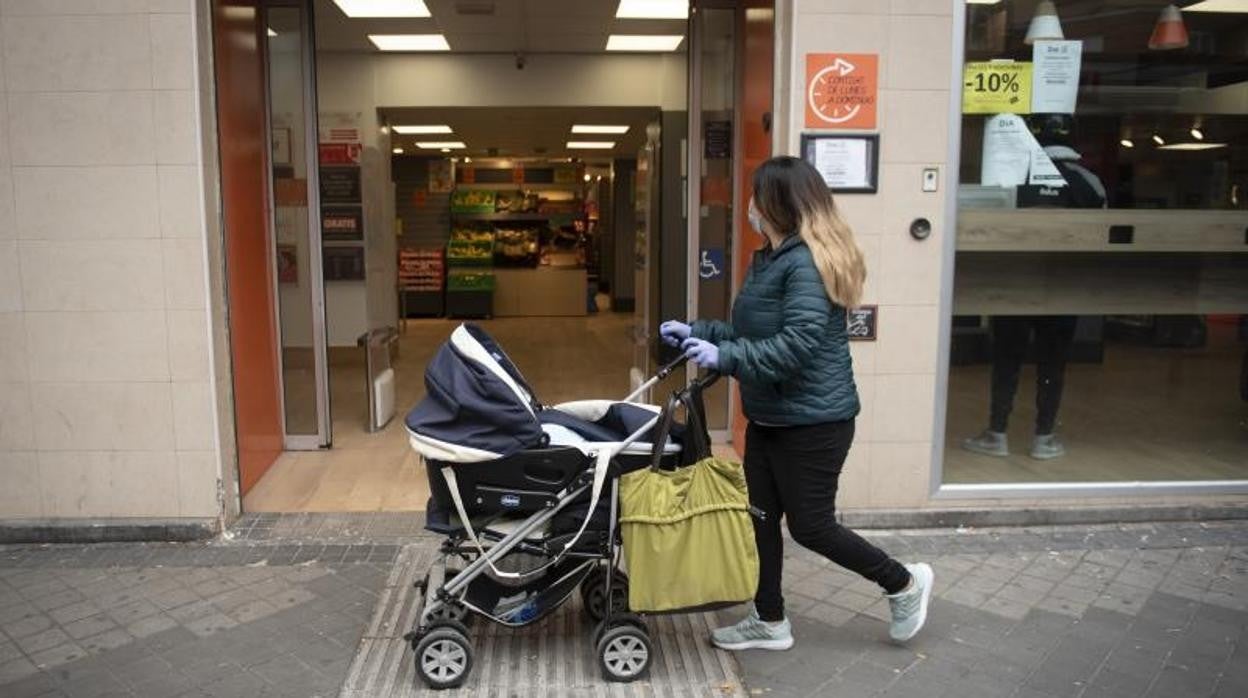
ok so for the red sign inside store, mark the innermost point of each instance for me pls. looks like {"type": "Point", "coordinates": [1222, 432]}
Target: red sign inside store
{"type": "Point", "coordinates": [340, 153]}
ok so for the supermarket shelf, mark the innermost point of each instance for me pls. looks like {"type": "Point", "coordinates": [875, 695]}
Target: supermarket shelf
{"type": "Point", "coordinates": [502, 217]}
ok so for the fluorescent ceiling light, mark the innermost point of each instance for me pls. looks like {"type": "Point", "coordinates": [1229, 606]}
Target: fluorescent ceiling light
{"type": "Point", "coordinates": [410, 42]}
{"type": "Point", "coordinates": [413, 130]}
{"type": "Point", "coordinates": [983, 2]}
{"type": "Point", "coordinates": [397, 151]}
{"type": "Point", "coordinates": [1198, 134]}
{"type": "Point", "coordinates": [653, 9]}
{"type": "Point", "coordinates": [383, 8]}
{"type": "Point", "coordinates": [586, 128]}
{"type": "Point", "coordinates": [1192, 146]}
{"type": "Point", "coordinates": [644, 42]}
{"type": "Point", "coordinates": [434, 145]}
{"type": "Point", "coordinates": [271, 32]}
{"type": "Point", "coordinates": [1219, 6]}
{"type": "Point", "coordinates": [591, 145]}
{"type": "Point", "coordinates": [1127, 143]}
{"type": "Point", "coordinates": [1158, 139]}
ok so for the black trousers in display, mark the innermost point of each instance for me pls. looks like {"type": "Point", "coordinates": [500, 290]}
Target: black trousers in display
{"type": "Point", "coordinates": [793, 472]}
{"type": "Point", "coordinates": [1010, 336]}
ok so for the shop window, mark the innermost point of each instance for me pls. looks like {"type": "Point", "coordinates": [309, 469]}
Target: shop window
{"type": "Point", "coordinates": [1100, 314]}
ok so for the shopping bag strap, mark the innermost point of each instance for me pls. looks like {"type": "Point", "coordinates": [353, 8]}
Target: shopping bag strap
{"type": "Point", "coordinates": [696, 443]}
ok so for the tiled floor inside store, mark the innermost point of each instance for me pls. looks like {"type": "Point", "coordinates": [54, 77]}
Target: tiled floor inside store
{"type": "Point", "coordinates": [563, 359]}
{"type": "Point", "coordinates": [1144, 413]}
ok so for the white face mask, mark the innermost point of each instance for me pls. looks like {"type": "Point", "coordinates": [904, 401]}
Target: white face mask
{"type": "Point", "coordinates": [756, 220]}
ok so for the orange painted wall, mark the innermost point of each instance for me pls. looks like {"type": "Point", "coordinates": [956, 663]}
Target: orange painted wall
{"type": "Point", "coordinates": [756, 89]}
{"type": "Point", "coordinates": [238, 39]}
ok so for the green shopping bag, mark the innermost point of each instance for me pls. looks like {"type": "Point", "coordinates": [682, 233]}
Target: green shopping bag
{"type": "Point", "coordinates": [688, 536]}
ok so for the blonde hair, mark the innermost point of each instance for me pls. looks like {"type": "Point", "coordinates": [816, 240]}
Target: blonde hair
{"type": "Point", "coordinates": [792, 196]}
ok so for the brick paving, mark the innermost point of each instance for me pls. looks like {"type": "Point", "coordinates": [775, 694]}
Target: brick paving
{"type": "Point", "coordinates": [281, 606]}
{"type": "Point", "coordinates": [1094, 611]}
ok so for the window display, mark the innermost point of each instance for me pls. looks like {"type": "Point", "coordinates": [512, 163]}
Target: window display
{"type": "Point", "coordinates": [1101, 276]}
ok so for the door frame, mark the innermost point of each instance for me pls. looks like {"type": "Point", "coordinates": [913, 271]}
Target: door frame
{"type": "Point", "coordinates": [693, 173]}
{"type": "Point", "coordinates": [311, 138]}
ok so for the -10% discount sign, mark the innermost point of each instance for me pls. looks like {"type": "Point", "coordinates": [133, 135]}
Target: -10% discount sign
{"type": "Point", "coordinates": [996, 87]}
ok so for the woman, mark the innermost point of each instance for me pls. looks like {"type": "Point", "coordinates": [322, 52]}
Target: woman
{"type": "Point", "coordinates": [787, 347]}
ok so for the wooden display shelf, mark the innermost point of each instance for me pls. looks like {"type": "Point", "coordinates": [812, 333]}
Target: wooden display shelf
{"type": "Point", "coordinates": [1106, 231]}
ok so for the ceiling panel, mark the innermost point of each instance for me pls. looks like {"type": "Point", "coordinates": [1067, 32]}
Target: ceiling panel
{"type": "Point", "coordinates": [524, 132]}
{"type": "Point", "coordinates": [528, 26]}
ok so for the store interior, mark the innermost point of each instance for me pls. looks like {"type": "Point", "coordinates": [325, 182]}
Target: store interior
{"type": "Point", "coordinates": [447, 196]}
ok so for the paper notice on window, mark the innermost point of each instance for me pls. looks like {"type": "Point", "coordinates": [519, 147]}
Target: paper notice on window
{"type": "Point", "coordinates": [1012, 156]}
{"type": "Point", "coordinates": [1055, 76]}
{"type": "Point", "coordinates": [844, 163]}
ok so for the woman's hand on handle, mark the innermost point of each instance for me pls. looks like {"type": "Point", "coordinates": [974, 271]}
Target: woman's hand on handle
{"type": "Point", "coordinates": [702, 353]}
{"type": "Point", "coordinates": [674, 332]}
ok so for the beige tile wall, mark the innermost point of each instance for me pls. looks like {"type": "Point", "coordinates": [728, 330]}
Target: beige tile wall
{"type": "Point", "coordinates": [106, 404]}
{"type": "Point", "coordinates": [890, 464]}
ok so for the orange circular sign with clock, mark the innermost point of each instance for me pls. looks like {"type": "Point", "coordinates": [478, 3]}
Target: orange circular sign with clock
{"type": "Point", "coordinates": [841, 90]}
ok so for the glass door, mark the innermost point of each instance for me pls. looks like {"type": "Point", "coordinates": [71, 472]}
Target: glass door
{"type": "Point", "coordinates": [711, 188]}
{"type": "Point", "coordinates": [295, 211]}
{"type": "Point", "coordinates": [645, 184]}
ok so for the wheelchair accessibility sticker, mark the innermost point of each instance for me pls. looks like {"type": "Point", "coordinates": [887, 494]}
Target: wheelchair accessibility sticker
{"type": "Point", "coordinates": [711, 265]}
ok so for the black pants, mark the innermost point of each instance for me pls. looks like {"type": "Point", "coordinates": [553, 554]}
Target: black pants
{"type": "Point", "coordinates": [1010, 335]}
{"type": "Point", "coordinates": [793, 471]}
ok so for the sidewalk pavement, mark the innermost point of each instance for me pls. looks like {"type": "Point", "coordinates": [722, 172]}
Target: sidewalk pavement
{"type": "Point", "coordinates": [314, 605]}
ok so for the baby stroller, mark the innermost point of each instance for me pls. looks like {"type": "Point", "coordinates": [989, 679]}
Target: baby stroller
{"type": "Point", "coordinates": [527, 497]}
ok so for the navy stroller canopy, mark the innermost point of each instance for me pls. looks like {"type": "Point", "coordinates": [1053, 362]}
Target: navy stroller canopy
{"type": "Point", "coordinates": [477, 406]}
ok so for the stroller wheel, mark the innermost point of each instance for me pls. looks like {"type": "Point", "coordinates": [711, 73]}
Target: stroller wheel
{"type": "Point", "coordinates": [594, 596]}
{"type": "Point", "coordinates": [454, 613]}
{"type": "Point", "coordinates": [617, 619]}
{"type": "Point", "coordinates": [444, 658]}
{"type": "Point", "coordinates": [624, 653]}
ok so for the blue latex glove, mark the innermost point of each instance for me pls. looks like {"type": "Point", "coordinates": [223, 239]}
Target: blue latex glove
{"type": "Point", "coordinates": [673, 332]}
{"type": "Point", "coordinates": [702, 353]}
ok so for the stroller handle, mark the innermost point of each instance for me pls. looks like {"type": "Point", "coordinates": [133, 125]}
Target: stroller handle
{"type": "Point", "coordinates": [663, 373]}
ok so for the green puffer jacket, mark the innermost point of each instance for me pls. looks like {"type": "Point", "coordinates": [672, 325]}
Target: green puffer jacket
{"type": "Point", "coordinates": [787, 344]}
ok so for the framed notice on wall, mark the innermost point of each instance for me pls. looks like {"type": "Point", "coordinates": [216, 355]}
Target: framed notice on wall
{"type": "Point", "coordinates": [848, 162]}
{"type": "Point", "coordinates": [860, 323]}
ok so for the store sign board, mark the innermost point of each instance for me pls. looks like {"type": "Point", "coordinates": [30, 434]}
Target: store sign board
{"type": "Point", "coordinates": [861, 322]}
{"type": "Point", "coordinates": [1055, 88]}
{"type": "Point", "coordinates": [842, 90]}
{"type": "Point", "coordinates": [342, 223]}
{"type": "Point", "coordinates": [340, 185]}
{"type": "Point", "coordinates": [339, 154]}
{"type": "Point", "coordinates": [996, 87]}
{"type": "Point", "coordinates": [717, 137]}
{"type": "Point", "coordinates": [343, 263]}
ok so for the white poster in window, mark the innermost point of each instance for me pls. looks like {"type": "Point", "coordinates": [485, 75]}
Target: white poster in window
{"type": "Point", "coordinates": [1055, 76]}
{"type": "Point", "coordinates": [844, 162]}
{"type": "Point", "coordinates": [1013, 157]}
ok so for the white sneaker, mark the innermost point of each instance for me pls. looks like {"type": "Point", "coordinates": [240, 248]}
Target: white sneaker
{"type": "Point", "coordinates": [1047, 447]}
{"type": "Point", "coordinates": [988, 443]}
{"type": "Point", "coordinates": [909, 606]}
{"type": "Point", "coordinates": [753, 633]}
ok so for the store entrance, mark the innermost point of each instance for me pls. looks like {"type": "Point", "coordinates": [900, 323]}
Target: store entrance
{"type": "Point", "coordinates": [527, 179]}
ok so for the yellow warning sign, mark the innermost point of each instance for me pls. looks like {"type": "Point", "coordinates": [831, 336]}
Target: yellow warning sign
{"type": "Point", "coordinates": [996, 87]}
